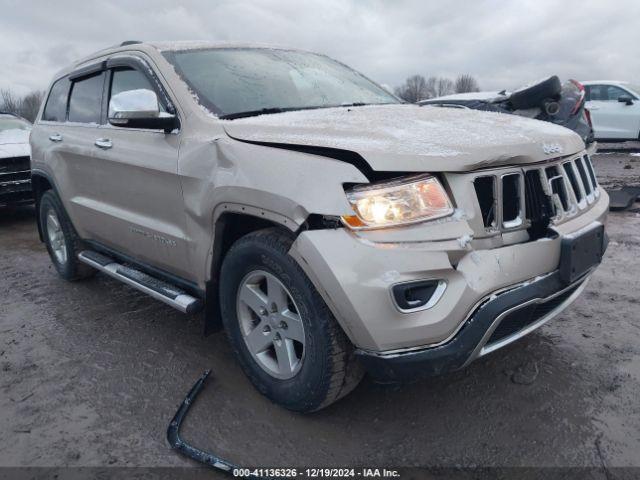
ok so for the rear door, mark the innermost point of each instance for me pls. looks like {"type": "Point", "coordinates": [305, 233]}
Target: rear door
{"type": "Point", "coordinates": [613, 119]}
{"type": "Point", "coordinates": [63, 146]}
{"type": "Point", "coordinates": [136, 203]}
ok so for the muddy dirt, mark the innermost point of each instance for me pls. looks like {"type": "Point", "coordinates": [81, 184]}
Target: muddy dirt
{"type": "Point", "coordinates": [92, 372]}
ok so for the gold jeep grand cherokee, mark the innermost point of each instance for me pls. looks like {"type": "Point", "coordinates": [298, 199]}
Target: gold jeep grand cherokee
{"type": "Point", "coordinates": [329, 228]}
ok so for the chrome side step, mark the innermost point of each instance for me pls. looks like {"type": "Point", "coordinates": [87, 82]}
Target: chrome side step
{"type": "Point", "coordinates": [158, 289]}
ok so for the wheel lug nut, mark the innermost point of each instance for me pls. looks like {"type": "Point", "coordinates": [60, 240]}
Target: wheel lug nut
{"type": "Point", "coordinates": [266, 329]}
{"type": "Point", "coordinates": [283, 325]}
{"type": "Point", "coordinates": [274, 308]}
{"type": "Point", "coordinates": [263, 311]}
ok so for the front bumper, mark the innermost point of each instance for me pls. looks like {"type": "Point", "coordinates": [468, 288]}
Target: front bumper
{"type": "Point", "coordinates": [356, 275]}
{"type": "Point", "coordinates": [15, 181]}
{"type": "Point", "coordinates": [497, 321]}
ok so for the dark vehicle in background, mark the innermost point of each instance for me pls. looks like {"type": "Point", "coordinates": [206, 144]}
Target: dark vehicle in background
{"type": "Point", "coordinates": [548, 100]}
{"type": "Point", "coordinates": [15, 153]}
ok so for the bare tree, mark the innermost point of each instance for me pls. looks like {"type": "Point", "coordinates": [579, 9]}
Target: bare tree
{"type": "Point", "coordinates": [413, 90]}
{"type": "Point", "coordinates": [439, 86]}
{"type": "Point", "coordinates": [416, 88]}
{"type": "Point", "coordinates": [31, 105]}
{"type": "Point", "coordinates": [26, 106]}
{"type": "Point", "coordinates": [8, 102]}
{"type": "Point", "coordinates": [444, 86]}
{"type": "Point", "coordinates": [466, 83]}
{"type": "Point", "coordinates": [431, 87]}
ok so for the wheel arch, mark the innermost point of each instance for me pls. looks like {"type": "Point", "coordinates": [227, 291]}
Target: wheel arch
{"type": "Point", "coordinates": [40, 183]}
{"type": "Point", "coordinates": [232, 222]}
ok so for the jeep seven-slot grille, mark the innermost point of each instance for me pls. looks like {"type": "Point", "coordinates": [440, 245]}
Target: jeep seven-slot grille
{"type": "Point", "coordinates": [533, 196]}
{"type": "Point", "coordinates": [15, 178]}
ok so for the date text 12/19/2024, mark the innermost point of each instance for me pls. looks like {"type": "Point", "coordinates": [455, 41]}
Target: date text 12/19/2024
{"type": "Point", "coordinates": [316, 472]}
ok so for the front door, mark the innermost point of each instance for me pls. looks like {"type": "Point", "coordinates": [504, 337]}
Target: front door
{"type": "Point", "coordinates": [138, 196]}
{"type": "Point", "coordinates": [611, 118]}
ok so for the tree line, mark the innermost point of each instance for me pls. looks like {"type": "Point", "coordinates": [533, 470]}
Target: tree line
{"type": "Point", "coordinates": [416, 87]}
{"type": "Point", "coordinates": [26, 106]}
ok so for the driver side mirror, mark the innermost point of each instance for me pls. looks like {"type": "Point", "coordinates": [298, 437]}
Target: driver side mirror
{"type": "Point", "coordinates": [139, 109]}
{"type": "Point", "coordinates": [625, 99]}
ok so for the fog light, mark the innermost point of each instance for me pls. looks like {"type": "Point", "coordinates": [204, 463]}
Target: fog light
{"type": "Point", "coordinates": [418, 295]}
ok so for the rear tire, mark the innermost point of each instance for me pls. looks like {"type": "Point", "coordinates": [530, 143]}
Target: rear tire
{"type": "Point", "coordinates": [61, 239]}
{"type": "Point", "coordinates": [323, 368]}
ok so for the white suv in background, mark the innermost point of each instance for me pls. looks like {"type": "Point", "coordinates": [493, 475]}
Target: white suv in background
{"type": "Point", "coordinates": [614, 108]}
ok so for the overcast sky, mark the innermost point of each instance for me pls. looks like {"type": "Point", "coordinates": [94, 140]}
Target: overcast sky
{"type": "Point", "coordinates": [503, 43]}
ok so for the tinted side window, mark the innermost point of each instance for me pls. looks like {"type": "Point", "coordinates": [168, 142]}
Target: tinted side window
{"type": "Point", "coordinates": [56, 108]}
{"type": "Point", "coordinates": [85, 103]}
{"type": "Point", "coordinates": [605, 93]}
{"type": "Point", "coordinates": [597, 92]}
{"type": "Point", "coordinates": [127, 79]}
{"type": "Point", "coordinates": [614, 92]}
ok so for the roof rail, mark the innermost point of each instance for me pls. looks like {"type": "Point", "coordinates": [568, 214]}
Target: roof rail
{"type": "Point", "coordinates": [130, 42]}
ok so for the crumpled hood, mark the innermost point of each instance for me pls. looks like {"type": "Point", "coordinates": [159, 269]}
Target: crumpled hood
{"type": "Point", "coordinates": [412, 138]}
{"type": "Point", "coordinates": [14, 143]}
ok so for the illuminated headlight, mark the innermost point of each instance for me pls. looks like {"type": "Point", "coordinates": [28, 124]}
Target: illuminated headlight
{"type": "Point", "coordinates": [398, 202]}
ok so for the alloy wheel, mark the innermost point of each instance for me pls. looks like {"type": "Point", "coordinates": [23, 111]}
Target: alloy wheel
{"type": "Point", "coordinates": [270, 324]}
{"type": "Point", "coordinates": [56, 237]}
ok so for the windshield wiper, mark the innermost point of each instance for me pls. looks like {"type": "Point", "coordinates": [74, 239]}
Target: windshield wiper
{"type": "Point", "coordinates": [267, 111]}
{"type": "Point", "coordinates": [253, 113]}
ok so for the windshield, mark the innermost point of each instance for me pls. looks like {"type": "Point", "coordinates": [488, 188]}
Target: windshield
{"type": "Point", "coordinates": [231, 81]}
{"type": "Point", "coordinates": [635, 88]}
{"type": "Point", "coordinates": [12, 123]}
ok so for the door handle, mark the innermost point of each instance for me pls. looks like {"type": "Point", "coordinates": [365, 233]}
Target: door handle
{"type": "Point", "coordinates": [55, 137]}
{"type": "Point", "coordinates": [103, 143]}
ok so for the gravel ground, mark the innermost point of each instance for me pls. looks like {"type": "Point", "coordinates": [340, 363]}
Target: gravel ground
{"type": "Point", "coordinates": [92, 372]}
{"type": "Point", "coordinates": [616, 169]}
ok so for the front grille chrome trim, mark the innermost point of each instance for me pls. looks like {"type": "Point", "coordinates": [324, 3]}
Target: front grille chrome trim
{"type": "Point", "coordinates": [25, 172]}
{"type": "Point", "coordinates": [15, 182]}
{"type": "Point", "coordinates": [563, 183]}
{"type": "Point", "coordinates": [518, 220]}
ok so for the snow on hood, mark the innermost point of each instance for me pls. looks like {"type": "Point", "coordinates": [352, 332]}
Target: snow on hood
{"type": "Point", "coordinates": [14, 143]}
{"type": "Point", "coordinates": [14, 135]}
{"type": "Point", "coordinates": [412, 138]}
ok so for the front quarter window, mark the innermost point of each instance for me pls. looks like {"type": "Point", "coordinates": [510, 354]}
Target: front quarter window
{"type": "Point", "coordinates": [55, 109]}
{"type": "Point", "coordinates": [127, 79]}
{"type": "Point", "coordinates": [229, 81]}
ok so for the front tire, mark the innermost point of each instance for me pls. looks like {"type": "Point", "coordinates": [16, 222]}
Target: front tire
{"type": "Point", "coordinates": [61, 239]}
{"type": "Point", "coordinates": [283, 334]}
